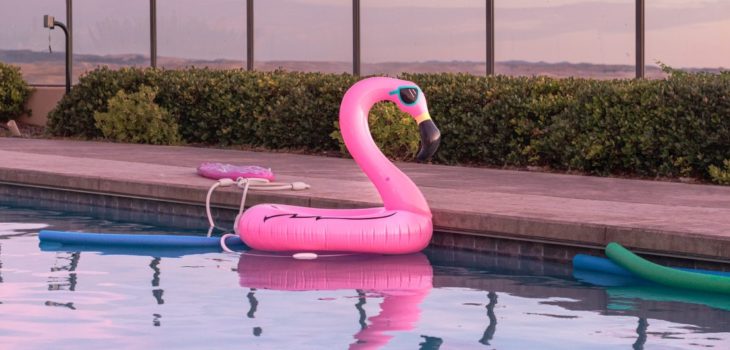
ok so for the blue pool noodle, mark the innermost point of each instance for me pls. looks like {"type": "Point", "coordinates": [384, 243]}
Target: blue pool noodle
{"type": "Point", "coordinates": [603, 265]}
{"type": "Point", "coordinates": [597, 264]}
{"type": "Point", "coordinates": [135, 240]}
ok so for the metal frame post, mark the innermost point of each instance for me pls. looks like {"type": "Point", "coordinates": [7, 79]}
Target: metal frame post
{"type": "Point", "coordinates": [153, 33]}
{"type": "Point", "coordinates": [640, 39]}
{"type": "Point", "coordinates": [490, 36]}
{"type": "Point", "coordinates": [249, 35]}
{"type": "Point", "coordinates": [356, 65]}
{"type": "Point", "coordinates": [69, 44]}
{"type": "Point", "coordinates": [51, 23]}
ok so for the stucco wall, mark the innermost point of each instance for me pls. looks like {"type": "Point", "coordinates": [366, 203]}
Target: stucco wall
{"type": "Point", "coordinates": [41, 102]}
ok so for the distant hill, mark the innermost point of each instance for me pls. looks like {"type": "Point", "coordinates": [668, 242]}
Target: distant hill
{"type": "Point", "coordinates": [48, 68]}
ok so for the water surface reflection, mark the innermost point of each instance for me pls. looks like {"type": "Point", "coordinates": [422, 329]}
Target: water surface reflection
{"type": "Point", "coordinates": [401, 281]}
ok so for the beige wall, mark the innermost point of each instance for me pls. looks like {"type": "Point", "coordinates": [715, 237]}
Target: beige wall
{"type": "Point", "coordinates": [42, 100]}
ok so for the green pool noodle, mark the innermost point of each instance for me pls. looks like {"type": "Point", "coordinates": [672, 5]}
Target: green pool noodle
{"type": "Point", "coordinates": [665, 275]}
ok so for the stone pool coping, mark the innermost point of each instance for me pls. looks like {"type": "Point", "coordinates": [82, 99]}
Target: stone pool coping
{"type": "Point", "coordinates": [663, 218]}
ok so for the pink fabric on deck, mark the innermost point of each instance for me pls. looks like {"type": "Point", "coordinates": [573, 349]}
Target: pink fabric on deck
{"type": "Point", "coordinates": [217, 171]}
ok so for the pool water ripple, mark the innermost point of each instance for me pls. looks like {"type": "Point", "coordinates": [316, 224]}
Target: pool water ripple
{"type": "Point", "coordinates": [82, 298]}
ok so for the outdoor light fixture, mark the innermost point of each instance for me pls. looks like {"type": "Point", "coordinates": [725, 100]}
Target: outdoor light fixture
{"type": "Point", "coordinates": [50, 23]}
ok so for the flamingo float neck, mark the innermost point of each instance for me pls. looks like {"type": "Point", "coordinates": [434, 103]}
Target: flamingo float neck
{"type": "Point", "coordinates": [396, 190]}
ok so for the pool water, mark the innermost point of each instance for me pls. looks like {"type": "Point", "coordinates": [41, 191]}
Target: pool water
{"type": "Point", "coordinates": [81, 297]}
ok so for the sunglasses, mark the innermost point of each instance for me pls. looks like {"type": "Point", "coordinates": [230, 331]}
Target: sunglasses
{"type": "Point", "coordinates": [408, 95]}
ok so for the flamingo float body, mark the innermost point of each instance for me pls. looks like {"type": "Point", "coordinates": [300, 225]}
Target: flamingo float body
{"type": "Point", "coordinates": [403, 225]}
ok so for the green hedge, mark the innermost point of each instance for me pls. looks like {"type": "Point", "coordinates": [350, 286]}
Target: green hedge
{"type": "Point", "coordinates": [14, 91]}
{"type": "Point", "coordinates": [674, 127]}
{"type": "Point", "coordinates": [226, 107]}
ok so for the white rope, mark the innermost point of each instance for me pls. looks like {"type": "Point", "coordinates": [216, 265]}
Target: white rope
{"type": "Point", "coordinates": [255, 184]}
{"type": "Point", "coordinates": [207, 206]}
{"type": "Point", "coordinates": [223, 243]}
{"type": "Point", "coordinates": [221, 182]}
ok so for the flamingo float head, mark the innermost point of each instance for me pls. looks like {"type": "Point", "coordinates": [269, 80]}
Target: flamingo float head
{"type": "Point", "coordinates": [410, 99]}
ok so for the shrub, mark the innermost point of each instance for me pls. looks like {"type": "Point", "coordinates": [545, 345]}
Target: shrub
{"type": "Point", "coordinates": [720, 176]}
{"type": "Point", "coordinates": [74, 114]}
{"type": "Point", "coordinates": [14, 91]}
{"type": "Point", "coordinates": [395, 132]}
{"type": "Point", "coordinates": [675, 127]}
{"type": "Point", "coordinates": [224, 107]}
{"type": "Point", "coordinates": [135, 117]}
{"type": "Point", "coordinates": [301, 109]}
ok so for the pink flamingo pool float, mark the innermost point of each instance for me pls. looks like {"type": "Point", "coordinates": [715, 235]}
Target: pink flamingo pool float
{"type": "Point", "coordinates": [403, 225]}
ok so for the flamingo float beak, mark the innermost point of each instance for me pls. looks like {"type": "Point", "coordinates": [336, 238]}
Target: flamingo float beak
{"type": "Point", "coordinates": [430, 137]}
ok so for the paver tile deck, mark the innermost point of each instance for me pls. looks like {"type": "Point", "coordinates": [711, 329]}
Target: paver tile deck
{"type": "Point", "coordinates": [662, 217]}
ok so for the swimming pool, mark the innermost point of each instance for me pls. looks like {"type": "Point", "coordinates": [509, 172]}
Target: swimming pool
{"type": "Point", "coordinates": [441, 299]}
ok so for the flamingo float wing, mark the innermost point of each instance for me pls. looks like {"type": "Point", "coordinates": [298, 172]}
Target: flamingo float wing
{"type": "Point", "coordinates": [374, 230]}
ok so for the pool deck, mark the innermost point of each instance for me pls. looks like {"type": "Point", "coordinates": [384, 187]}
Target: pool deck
{"type": "Point", "coordinates": [665, 218]}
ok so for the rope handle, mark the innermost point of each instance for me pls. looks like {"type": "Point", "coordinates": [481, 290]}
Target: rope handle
{"type": "Point", "coordinates": [256, 184]}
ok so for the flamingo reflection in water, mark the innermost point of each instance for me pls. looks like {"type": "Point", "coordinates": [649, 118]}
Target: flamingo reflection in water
{"type": "Point", "coordinates": [403, 281]}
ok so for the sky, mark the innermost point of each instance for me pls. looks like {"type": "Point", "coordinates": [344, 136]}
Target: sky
{"type": "Point", "coordinates": [681, 33]}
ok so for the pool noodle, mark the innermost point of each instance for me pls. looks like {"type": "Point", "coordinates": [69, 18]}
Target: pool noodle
{"type": "Point", "coordinates": [135, 240]}
{"type": "Point", "coordinates": [598, 264]}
